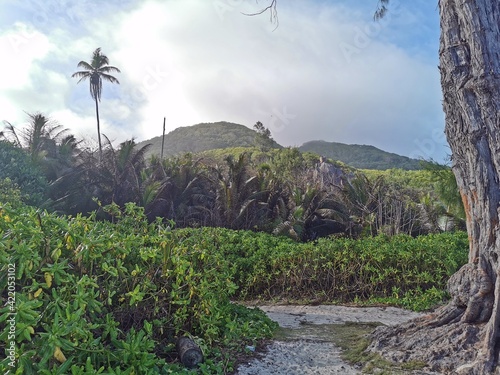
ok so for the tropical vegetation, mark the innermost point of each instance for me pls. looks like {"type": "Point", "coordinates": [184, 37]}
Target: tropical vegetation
{"type": "Point", "coordinates": [109, 255]}
{"type": "Point", "coordinates": [222, 135]}
{"type": "Point", "coordinates": [111, 296]}
{"type": "Point", "coordinates": [117, 256]}
{"type": "Point", "coordinates": [361, 156]}
{"type": "Point", "coordinates": [276, 190]}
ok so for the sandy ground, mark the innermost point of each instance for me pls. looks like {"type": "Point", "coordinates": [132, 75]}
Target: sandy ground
{"type": "Point", "coordinates": [311, 352]}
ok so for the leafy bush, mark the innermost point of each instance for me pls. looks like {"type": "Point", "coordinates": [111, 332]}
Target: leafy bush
{"type": "Point", "coordinates": [101, 297]}
{"type": "Point", "coordinates": [9, 192]}
{"type": "Point", "coordinates": [400, 270]}
{"type": "Point", "coordinates": [16, 165]}
{"type": "Point", "coordinates": [110, 297]}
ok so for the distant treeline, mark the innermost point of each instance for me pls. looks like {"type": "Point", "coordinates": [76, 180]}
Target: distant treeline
{"type": "Point", "coordinates": [276, 190]}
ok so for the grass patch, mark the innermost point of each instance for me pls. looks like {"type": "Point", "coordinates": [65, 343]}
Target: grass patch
{"type": "Point", "coordinates": [353, 339]}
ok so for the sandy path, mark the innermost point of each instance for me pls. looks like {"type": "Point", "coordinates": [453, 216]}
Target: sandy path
{"type": "Point", "coordinates": [294, 316]}
{"type": "Point", "coordinates": [313, 353]}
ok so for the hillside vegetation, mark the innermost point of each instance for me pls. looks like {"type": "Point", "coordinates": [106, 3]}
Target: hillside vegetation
{"type": "Point", "coordinates": [202, 137]}
{"type": "Point", "coordinates": [224, 135]}
{"type": "Point", "coordinates": [277, 190]}
{"type": "Point", "coordinates": [361, 156]}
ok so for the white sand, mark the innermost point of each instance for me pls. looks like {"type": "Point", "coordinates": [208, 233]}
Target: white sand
{"type": "Point", "coordinates": [315, 355]}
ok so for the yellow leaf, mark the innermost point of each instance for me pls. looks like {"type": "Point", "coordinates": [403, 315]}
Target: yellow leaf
{"type": "Point", "coordinates": [38, 292]}
{"type": "Point", "coordinates": [59, 355]}
{"type": "Point", "coordinates": [56, 253]}
{"type": "Point", "coordinates": [31, 330]}
{"type": "Point", "coordinates": [48, 279]}
{"type": "Point", "coordinates": [69, 241]}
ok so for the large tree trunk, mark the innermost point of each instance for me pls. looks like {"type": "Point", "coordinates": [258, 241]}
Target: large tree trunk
{"type": "Point", "coordinates": [463, 337]}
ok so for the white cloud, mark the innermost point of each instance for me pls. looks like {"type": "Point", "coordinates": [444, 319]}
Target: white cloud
{"type": "Point", "coordinates": [327, 72]}
{"type": "Point", "coordinates": [23, 49]}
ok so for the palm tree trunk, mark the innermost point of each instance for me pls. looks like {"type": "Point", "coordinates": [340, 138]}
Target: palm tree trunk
{"type": "Point", "coordinates": [98, 129]}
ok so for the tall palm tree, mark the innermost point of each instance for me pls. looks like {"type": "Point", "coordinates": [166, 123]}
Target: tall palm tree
{"type": "Point", "coordinates": [95, 71]}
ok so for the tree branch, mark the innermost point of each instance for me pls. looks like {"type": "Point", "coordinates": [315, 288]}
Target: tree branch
{"type": "Point", "coordinates": [273, 10]}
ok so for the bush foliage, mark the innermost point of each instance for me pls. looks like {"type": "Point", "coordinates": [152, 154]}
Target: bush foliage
{"type": "Point", "coordinates": [400, 270]}
{"type": "Point", "coordinates": [111, 296]}
{"type": "Point", "coordinates": [16, 166]}
{"type": "Point", "coordinates": [100, 297]}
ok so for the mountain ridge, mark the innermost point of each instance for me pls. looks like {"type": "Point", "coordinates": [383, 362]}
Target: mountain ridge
{"type": "Point", "coordinates": [360, 156]}
{"type": "Point", "coordinates": [204, 136]}
{"type": "Point", "coordinates": [220, 135]}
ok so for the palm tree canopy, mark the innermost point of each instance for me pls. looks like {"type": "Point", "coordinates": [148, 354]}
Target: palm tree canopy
{"type": "Point", "coordinates": [40, 134]}
{"type": "Point", "coordinates": [95, 72]}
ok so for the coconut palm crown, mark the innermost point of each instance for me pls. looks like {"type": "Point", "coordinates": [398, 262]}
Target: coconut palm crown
{"type": "Point", "coordinates": [95, 71]}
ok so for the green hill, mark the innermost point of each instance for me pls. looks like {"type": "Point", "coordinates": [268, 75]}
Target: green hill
{"type": "Point", "coordinates": [225, 135]}
{"type": "Point", "coordinates": [361, 156]}
{"type": "Point", "coordinates": [203, 137]}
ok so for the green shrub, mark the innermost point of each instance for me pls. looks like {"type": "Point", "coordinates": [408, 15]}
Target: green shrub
{"type": "Point", "coordinates": [16, 165]}
{"type": "Point", "coordinates": [9, 192]}
{"type": "Point", "coordinates": [400, 270]}
{"type": "Point", "coordinates": [101, 297]}
{"type": "Point", "coordinates": [110, 297]}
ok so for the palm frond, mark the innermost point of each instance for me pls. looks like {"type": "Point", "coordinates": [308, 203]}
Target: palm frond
{"type": "Point", "coordinates": [12, 131]}
{"type": "Point", "coordinates": [60, 132]}
{"type": "Point", "coordinates": [85, 65]}
{"type": "Point", "coordinates": [140, 155]}
{"type": "Point", "coordinates": [381, 10]}
{"type": "Point", "coordinates": [95, 87]}
{"type": "Point", "coordinates": [109, 78]}
{"type": "Point", "coordinates": [82, 77]}
{"type": "Point", "coordinates": [96, 71]}
{"type": "Point", "coordinates": [98, 59]}
{"type": "Point", "coordinates": [109, 69]}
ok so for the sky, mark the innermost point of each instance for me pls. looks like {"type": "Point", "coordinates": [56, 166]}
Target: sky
{"type": "Point", "coordinates": [326, 71]}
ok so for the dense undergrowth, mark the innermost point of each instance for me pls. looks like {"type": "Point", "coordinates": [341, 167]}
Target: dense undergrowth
{"type": "Point", "coordinates": [110, 297]}
{"type": "Point", "coordinates": [400, 270]}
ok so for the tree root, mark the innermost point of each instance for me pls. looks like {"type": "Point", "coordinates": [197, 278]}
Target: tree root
{"type": "Point", "coordinates": [447, 314]}
{"type": "Point", "coordinates": [471, 287]}
{"type": "Point", "coordinates": [444, 348]}
{"type": "Point", "coordinates": [458, 338]}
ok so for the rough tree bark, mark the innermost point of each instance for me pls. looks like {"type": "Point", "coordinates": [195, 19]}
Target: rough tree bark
{"type": "Point", "coordinates": [463, 336]}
